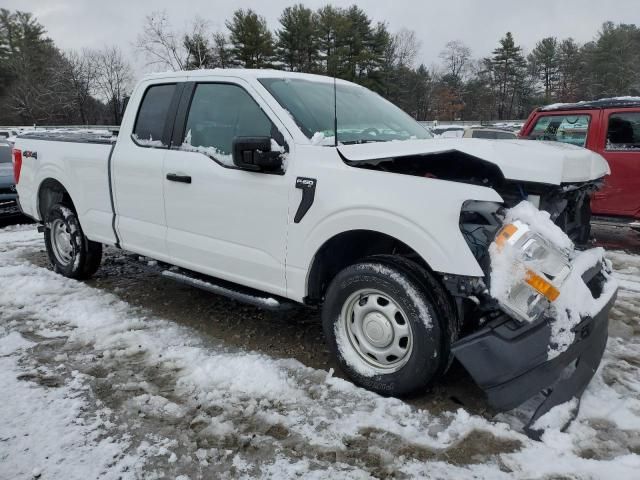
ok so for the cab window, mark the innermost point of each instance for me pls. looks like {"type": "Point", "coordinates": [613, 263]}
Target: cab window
{"type": "Point", "coordinates": [562, 128]}
{"type": "Point", "coordinates": [623, 131]}
{"type": "Point", "coordinates": [218, 113]}
{"type": "Point", "coordinates": [152, 116]}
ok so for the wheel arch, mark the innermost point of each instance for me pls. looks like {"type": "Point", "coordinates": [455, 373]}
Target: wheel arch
{"type": "Point", "coordinates": [347, 248]}
{"type": "Point", "coordinates": [50, 192]}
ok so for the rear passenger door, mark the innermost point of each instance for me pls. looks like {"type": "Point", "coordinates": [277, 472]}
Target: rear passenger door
{"type": "Point", "coordinates": [620, 145]}
{"type": "Point", "coordinates": [224, 221]}
{"type": "Point", "coordinates": [137, 172]}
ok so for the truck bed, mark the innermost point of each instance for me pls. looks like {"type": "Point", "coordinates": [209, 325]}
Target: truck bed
{"type": "Point", "coordinates": [78, 160]}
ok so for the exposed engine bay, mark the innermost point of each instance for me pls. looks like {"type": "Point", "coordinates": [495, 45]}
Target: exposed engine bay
{"type": "Point", "coordinates": [568, 203]}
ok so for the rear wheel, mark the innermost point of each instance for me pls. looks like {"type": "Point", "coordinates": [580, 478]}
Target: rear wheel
{"type": "Point", "coordinates": [71, 253]}
{"type": "Point", "coordinates": [384, 328]}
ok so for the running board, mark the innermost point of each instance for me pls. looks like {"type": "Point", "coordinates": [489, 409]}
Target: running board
{"type": "Point", "coordinates": [616, 222]}
{"type": "Point", "coordinates": [230, 290]}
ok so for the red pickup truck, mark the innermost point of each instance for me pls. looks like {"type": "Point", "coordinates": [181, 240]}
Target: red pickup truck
{"type": "Point", "coordinates": [610, 127]}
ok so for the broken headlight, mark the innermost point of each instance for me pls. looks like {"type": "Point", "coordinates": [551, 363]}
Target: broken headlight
{"type": "Point", "coordinates": [528, 269]}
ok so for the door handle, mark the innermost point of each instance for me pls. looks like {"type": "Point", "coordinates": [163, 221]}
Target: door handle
{"type": "Point", "coordinates": [174, 177]}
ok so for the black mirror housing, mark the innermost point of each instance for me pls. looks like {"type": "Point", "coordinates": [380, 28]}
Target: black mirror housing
{"type": "Point", "coordinates": [254, 153]}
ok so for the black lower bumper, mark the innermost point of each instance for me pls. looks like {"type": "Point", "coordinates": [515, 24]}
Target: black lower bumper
{"type": "Point", "coordinates": [510, 362]}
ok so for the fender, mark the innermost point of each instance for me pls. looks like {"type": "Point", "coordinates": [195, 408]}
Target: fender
{"type": "Point", "coordinates": [446, 253]}
{"type": "Point", "coordinates": [443, 251]}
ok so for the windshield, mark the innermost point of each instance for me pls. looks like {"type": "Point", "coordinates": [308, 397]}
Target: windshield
{"type": "Point", "coordinates": [363, 116]}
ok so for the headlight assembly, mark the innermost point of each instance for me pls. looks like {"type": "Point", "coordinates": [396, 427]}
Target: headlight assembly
{"type": "Point", "coordinates": [528, 269]}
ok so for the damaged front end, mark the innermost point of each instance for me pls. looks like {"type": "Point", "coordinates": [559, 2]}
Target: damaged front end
{"type": "Point", "coordinates": [538, 322]}
{"type": "Point", "coordinates": [568, 203]}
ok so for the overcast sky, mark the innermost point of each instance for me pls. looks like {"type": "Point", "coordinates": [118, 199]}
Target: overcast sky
{"type": "Point", "coordinates": [74, 24]}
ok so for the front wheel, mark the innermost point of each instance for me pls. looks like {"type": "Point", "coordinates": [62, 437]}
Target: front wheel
{"type": "Point", "coordinates": [71, 253]}
{"type": "Point", "coordinates": [384, 328]}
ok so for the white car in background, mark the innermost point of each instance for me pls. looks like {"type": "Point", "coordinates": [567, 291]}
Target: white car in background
{"type": "Point", "coordinates": [489, 133]}
{"type": "Point", "coordinates": [448, 131]}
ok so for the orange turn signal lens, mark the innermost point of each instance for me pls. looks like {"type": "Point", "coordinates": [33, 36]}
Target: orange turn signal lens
{"type": "Point", "coordinates": [542, 286]}
{"type": "Point", "coordinates": [505, 234]}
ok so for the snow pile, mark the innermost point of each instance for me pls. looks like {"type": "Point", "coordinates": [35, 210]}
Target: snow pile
{"type": "Point", "coordinates": [319, 139]}
{"type": "Point", "coordinates": [148, 142]}
{"type": "Point", "coordinates": [212, 152]}
{"type": "Point", "coordinates": [540, 222]}
{"type": "Point", "coordinates": [575, 301]}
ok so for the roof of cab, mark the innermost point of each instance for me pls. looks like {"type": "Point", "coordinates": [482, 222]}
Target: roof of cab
{"type": "Point", "coordinates": [615, 102]}
{"type": "Point", "coordinates": [240, 73]}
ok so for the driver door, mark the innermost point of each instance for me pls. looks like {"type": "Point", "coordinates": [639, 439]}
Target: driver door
{"type": "Point", "coordinates": [221, 220]}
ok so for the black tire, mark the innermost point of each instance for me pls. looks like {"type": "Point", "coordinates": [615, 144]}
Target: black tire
{"type": "Point", "coordinates": [424, 311]}
{"type": "Point", "coordinates": [83, 257]}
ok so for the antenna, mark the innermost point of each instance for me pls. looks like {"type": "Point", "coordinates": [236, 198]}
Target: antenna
{"type": "Point", "coordinates": [335, 113]}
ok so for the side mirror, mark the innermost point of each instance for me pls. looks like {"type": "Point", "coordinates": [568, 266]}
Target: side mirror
{"type": "Point", "coordinates": [254, 153]}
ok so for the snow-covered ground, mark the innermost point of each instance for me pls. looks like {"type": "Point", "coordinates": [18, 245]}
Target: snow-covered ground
{"type": "Point", "coordinates": [92, 387]}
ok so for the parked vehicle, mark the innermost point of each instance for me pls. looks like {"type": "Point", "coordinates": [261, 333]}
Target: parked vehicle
{"type": "Point", "coordinates": [610, 127]}
{"type": "Point", "coordinates": [8, 195]}
{"type": "Point", "coordinates": [448, 131]}
{"type": "Point", "coordinates": [6, 133]}
{"type": "Point", "coordinates": [248, 185]}
{"type": "Point", "coordinates": [489, 133]}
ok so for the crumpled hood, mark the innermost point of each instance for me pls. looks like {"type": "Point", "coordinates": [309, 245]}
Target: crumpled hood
{"type": "Point", "coordinates": [526, 160]}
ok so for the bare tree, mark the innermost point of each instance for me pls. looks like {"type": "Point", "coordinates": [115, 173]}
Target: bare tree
{"type": "Point", "coordinates": [405, 47]}
{"type": "Point", "coordinates": [457, 58]}
{"type": "Point", "coordinates": [197, 45]}
{"type": "Point", "coordinates": [79, 72]}
{"type": "Point", "coordinates": [160, 44]}
{"type": "Point", "coordinates": [113, 81]}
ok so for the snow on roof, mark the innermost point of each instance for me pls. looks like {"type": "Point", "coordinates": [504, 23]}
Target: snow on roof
{"type": "Point", "coordinates": [601, 103]}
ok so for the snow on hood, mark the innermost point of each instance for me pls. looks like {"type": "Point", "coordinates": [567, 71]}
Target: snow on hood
{"type": "Point", "coordinates": [525, 160]}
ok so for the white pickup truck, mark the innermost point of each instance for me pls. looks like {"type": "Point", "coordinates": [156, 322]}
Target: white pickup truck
{"type": "Point", "coordinates": [279, 188]}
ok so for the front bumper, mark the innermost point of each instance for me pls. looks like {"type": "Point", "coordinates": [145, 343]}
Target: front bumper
{"type": "Point", "coordinates": [509, 360]}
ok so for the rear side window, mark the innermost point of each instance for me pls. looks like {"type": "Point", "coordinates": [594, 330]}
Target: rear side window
{"type": "Point", "coordinates": [219, 112]}
{"type": "Point", "coordinates": [623, 132]}
{"type": "Point", "coordinates": [562, 128]}
{"type": "Point", "coordinates": [153, 115]}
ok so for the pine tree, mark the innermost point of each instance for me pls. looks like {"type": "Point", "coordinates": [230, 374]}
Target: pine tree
{"type": "Point", "coordinates": [251, 40]}
{"type": "Point", "coordinates": [508, 68]}
{"type": "Point", "coordinates": [613, 61]}
{"type": "Point", "coordinates": [297, 47]}
{"type": "Point", "coordinates": [570, 71]}
{"type": "Point", "coordinates": [330, 28]}
{"type": "Point", "coordinates": [544, 62]}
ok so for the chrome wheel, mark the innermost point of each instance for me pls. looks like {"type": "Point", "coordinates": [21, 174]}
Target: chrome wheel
{"type": "Point", "coordinates": [62, 242]}
{"type": "Point", "coordinates": [378, 330]}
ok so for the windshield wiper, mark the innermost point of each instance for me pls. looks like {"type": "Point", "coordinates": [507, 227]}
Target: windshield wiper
{"type": "Point", "coordinates": [369, 140]}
